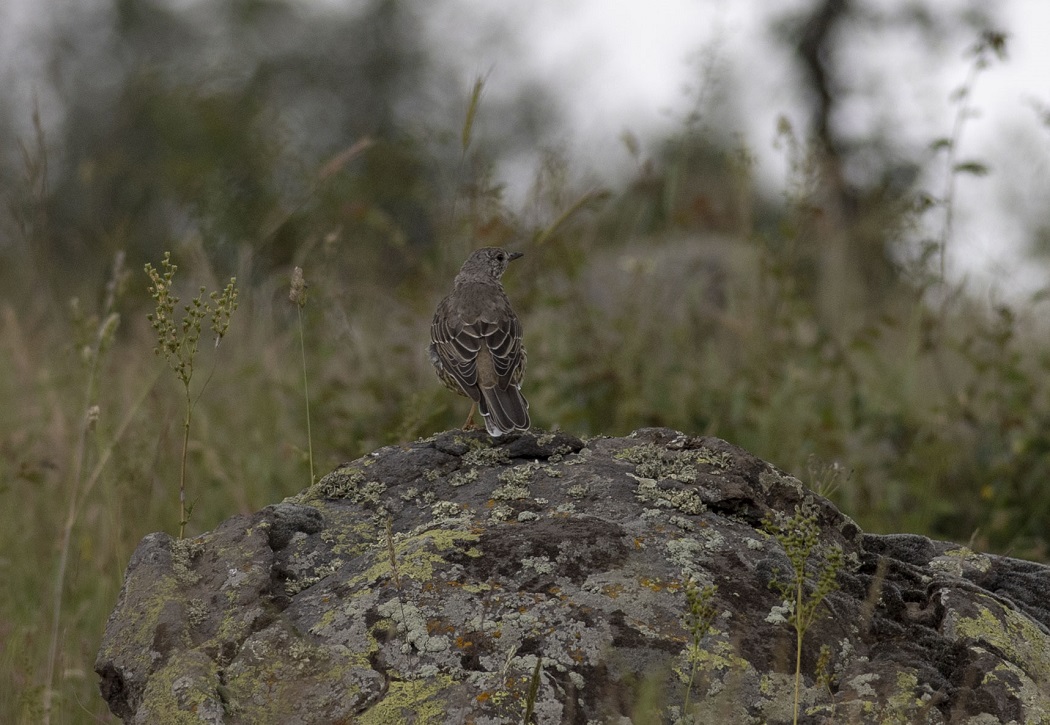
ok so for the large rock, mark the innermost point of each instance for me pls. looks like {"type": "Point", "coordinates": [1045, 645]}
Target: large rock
{"type": "Point", "coordinates": [423, 583]}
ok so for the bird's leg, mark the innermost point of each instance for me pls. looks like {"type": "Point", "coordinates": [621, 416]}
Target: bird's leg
{"type": "Point", "coordinates": [469, 424]}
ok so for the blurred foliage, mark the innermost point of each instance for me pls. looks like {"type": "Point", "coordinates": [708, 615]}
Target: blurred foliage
{"type": "Point", "coordinates": [251, 136]}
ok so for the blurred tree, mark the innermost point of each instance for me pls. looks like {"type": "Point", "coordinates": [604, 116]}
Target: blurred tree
{"type": "Point", "coordinates": [864, 184]}
{"type": "Point", "coordinates": [210, 121]}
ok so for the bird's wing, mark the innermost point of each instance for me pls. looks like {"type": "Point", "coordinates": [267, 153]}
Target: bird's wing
{"type": "Point", "coordinates": [455, 347]}
{"type": "Point", "coordinates": [508, 355]}
{"type": "Point", "coordinates": [456, 343]}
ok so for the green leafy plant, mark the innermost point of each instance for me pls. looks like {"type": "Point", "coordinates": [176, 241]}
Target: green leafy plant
{"type": "Point", "coordinates": [700, 614]}
{"type": "Point", "coordinates": [178, 343]}
{"type": "Point", "coordinates": [800, 537]}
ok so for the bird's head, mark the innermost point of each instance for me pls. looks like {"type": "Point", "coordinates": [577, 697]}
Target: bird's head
{"type": "Point", "coordinates": [487, 263]}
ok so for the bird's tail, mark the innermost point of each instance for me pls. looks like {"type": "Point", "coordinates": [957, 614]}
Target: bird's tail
{"type": "Point", "coordinates": [504, 410]}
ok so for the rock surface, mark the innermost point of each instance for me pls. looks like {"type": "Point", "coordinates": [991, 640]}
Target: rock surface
{"type": "Point", "coordinates": [440, 581]}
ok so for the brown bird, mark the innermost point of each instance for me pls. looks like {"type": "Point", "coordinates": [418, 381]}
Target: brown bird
{"type": "Point", "coordinates": [475, 343]}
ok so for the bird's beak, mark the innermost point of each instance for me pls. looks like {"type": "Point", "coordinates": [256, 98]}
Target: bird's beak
{"type": "Point", "coordinates": [515, 255]}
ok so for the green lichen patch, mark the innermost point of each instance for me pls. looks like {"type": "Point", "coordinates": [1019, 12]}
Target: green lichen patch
{"type": "Point", "coordinates": [450, 604]}
{"type": "Point", "coordinates": [577, 491]}
{"type": "Point", "coordinates": [686, 500]}
{"type": "Point", "coordinates": [501, 512]}
{"type": "Point", "coordinates": [720, 459]}
{"type": "Point", "coordinates": [181, 693]}
{"type": "Point", "coordinates": [184, 552]}
{"type": "Point", "coordinates": [519, 475]}
{"type": "Point", "coordinates": [484, 456]}
{"type": "Point", "coordinates": [582, 457]}
{"type": "Point", "coordinates": [446, 513]}
{"type": "Point", "coordinates": [559, 454]}
{"type": "Point", "coordinates": [197, 611]}
{"type": "Point", "coordinates": [686, 554]}
{"type": "Point", "coordinates": [1008, 631]}
{"type": "Point", "coordinates": [462, 478]}
{"type": "Point", "coordinates": [770, 479]}
{"type": "Point", "coordinates": [511, 492]}
{"type": "Point", "coordinates": [1014, 680]}
{"type": "Point", "coordinates": [415, 701]}
{"type": "Point", "coordinates": [148, 613]}
{"type": "Point", "coordinates": [961, 561]}
{"type": "Point", "coordinates": [416, 555]}
{"type": "Point", "coordinates": [348, 483]}
{"type": "Point", "coordinates": [412, 627]}
{"type": "Point", "coordinates": [905, 702]}
{"type": "Point", "coordinates": [317, 574]}
{"type": "Point", "coordinates": [277, 668]}
{"type": "Point", "coordinates": [352, 538]}
{"type": "Point", "coordinates": [657, 463]}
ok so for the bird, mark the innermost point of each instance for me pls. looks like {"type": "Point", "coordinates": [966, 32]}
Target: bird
{"type": "Point", "coordinates": [476, 343]}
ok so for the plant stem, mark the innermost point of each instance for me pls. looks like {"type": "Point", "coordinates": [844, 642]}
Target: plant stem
{"type": "Point", "coordinates": [63, 556]}
{"type": "Point", "coordinates": [306, 393]}
{"type": "Point", "coordinates": [962, 114]}
{"type": "Point", "coordinates": [79, 494]}
{"type": "Point", "coordinates": [183, 519]}
{"type": "Point", "coordinates": [799, 632]}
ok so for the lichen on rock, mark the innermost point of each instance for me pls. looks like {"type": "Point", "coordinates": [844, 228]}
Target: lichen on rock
{"type": "Point", "coordinates": [441, 581]}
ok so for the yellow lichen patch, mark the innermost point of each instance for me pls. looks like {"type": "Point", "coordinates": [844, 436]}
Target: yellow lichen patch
{"type": "Point", "coordinates": [1037, 704]}
{"type": "Point", "coordinates": [416, 556]}
{"type": "Point", "coordinates": [1008, 631]}
{"type": "Point", "coordinates": [415, 701]}
{"type": "Point", "coordinates": [266, 682]}
{"type": "Point", "coordinates": [904, 705]}
{"type": "Point", "coordinates": [178, 693]}
{"type": "Point", "coordinates": [354, 538]}
{"type": "Point", "coordinates": [659, 585]}
{"type": "Point", "coordinates": [143, 627]}
{"type": "Point", "coordinates": [960, 560]}
{"type": "Point", "coordinates": [326, 620]}
{"type": "Point", "coordinates": [725, 656]}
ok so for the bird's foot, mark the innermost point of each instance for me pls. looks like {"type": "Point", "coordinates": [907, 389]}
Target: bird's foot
{"type": "Point", "coordinates": [468, 424]}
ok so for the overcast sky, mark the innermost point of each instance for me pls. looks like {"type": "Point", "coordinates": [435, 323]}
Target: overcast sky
{"type": "Point", "coordinates": [624, 65]}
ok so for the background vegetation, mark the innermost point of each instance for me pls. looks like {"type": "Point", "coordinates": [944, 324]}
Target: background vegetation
{"type": "Point", "coordinates": [814, 327]}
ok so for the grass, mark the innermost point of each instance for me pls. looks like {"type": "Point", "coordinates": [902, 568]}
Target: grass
{"type": "Point", "coordinates": [962, 462]}
{"type": "Point", "coordinates": [297, 296]}
{"type": "Point", "coordinates": [636, 312]}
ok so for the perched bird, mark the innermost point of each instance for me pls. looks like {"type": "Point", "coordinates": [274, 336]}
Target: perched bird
{"type": "Point", "coordinates": [475, 343]}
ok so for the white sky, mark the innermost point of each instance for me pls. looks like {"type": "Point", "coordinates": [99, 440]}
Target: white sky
{"type": "Point", "coordinates": [625, 65]}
